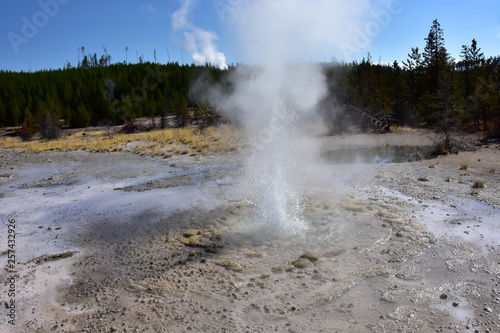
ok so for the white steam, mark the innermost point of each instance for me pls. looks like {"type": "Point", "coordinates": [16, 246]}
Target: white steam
{"type": "Point", "coordinates": [279, 31]}
{"type": "Point", "coordinates": [200, 43]}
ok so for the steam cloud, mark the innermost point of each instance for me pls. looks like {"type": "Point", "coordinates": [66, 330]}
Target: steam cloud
{"type": "Point", "coordinates": [200, 43]}
{"type": "Point", "coordinates": [273, 33]}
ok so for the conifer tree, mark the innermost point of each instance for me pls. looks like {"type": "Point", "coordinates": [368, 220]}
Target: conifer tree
{"type": "Point", "coordinates": [436, 57]}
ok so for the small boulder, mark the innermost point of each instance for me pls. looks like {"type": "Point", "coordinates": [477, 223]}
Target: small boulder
{"type": "Point", "coordinates": [192, 232]}
{"type": "Point", "coordinates": [312, 257]}
{"type": "Point", "coordinates": [302, 263]}
{"type": "Point", "coordinates": [353, 207]}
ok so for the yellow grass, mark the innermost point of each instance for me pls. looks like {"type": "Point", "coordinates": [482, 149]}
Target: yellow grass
{"type": "Point", "coordinates": [401, 129]}
{"type": "Point", "coordinates": [165, 143]}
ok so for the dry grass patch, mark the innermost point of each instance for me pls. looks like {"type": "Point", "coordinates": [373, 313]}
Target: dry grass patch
{"type": "Point", "coordinates": [166, 142]}
{"type": "Point", "coordinates": [401, 129]}
{"type": "Point", "coordinates": [478, 184]}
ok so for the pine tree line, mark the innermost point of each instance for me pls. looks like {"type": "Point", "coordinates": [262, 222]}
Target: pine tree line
{"type": "Point", "coordinates": [92, 95]}
{"type": "Point", "coordinates": [429, 88]}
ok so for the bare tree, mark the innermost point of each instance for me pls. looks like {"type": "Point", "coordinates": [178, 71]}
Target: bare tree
{"type": "Point", "coordinates": [48, 125]}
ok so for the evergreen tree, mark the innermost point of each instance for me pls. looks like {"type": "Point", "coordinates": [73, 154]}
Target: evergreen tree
{"type": "Point", "coordinates": [436, 57]}
{"type": "Point", "coordinates": [3, 114]}
{"type": "Point", "coordinates": [472, 60]}
{"type": "Point", "coordinates": [476, 56]}
{"type": "Point", "coordinates": [81, 118]}
{"type": "Point", "coordinates": [414, 70]}
{"type": "Point", "coordinates": [14, 114]}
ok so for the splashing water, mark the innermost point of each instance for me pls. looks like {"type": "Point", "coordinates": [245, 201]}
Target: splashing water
{"type": "Point", "coordinates": [274, 176]}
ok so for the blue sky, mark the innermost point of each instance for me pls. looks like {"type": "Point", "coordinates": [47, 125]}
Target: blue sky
{"type": "Point", "coordinates": [64, 26]}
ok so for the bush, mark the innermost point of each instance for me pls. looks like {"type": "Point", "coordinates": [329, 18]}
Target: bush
{"type": "Point", "coordinates": [131, 127]}
{"type": "Point", "coordinates": [25, 132]}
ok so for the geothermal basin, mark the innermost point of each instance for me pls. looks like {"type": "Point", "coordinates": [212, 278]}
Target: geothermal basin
{"type": "Point", "coordinates": [121, 242]}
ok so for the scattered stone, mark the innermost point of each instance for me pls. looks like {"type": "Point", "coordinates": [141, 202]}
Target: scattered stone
{"type": "Point", "coordinates": [232, 266]}
{"type": "Point", "coordinates": [193, 241]}
{"type": "Point", "coordinates": [192, 232]}
{"type": "Point", "coordinates": [443, 296]}
{"type": "Point", "coordinates": [353, 207]}
{"type": "Point", "coordinates": [423, 179]}
{"type": "Point", "coordinates": [488, 309]}
{"type": "Point", "coordinates": [200, 241]}
{"type": "Point", "coordinates": [455, 304]}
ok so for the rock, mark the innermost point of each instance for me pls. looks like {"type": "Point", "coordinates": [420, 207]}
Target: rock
{"type": "Point", "coordinates": [232, 266]}
{"type": "Point", "coordinates": [193, 241]}
{"type": "Point", "coordinates": [443, 296]}
{"type": "Point", "coordinates": [312, 257]}
{"type": "Point", "coordinates": [192, 232]}
{"type": "Point", "coordinates": [353, 207]}
{"type": "Point", "coordinates": [302, 263]}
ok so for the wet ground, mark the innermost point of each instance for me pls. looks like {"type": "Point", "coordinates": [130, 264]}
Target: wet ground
{"type": "Point", "coordinates": [118, 242]}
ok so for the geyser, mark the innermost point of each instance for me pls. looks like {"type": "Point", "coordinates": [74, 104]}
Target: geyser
{"type": "Point", "coordinates": [278, 91]}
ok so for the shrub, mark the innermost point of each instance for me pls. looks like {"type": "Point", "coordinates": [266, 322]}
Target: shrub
{"type": "Point", "coordinates": [131, 127]}
{"type": "Point", "coordinates": [25, 132]}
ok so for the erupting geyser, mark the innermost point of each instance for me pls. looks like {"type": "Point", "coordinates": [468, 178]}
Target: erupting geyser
{"type": "Point", "coordinates": [274, 175]}
{"type": "Point", "coordinates": [278, 91]}
{"type": "Point", "coordinates": [273, 104]}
